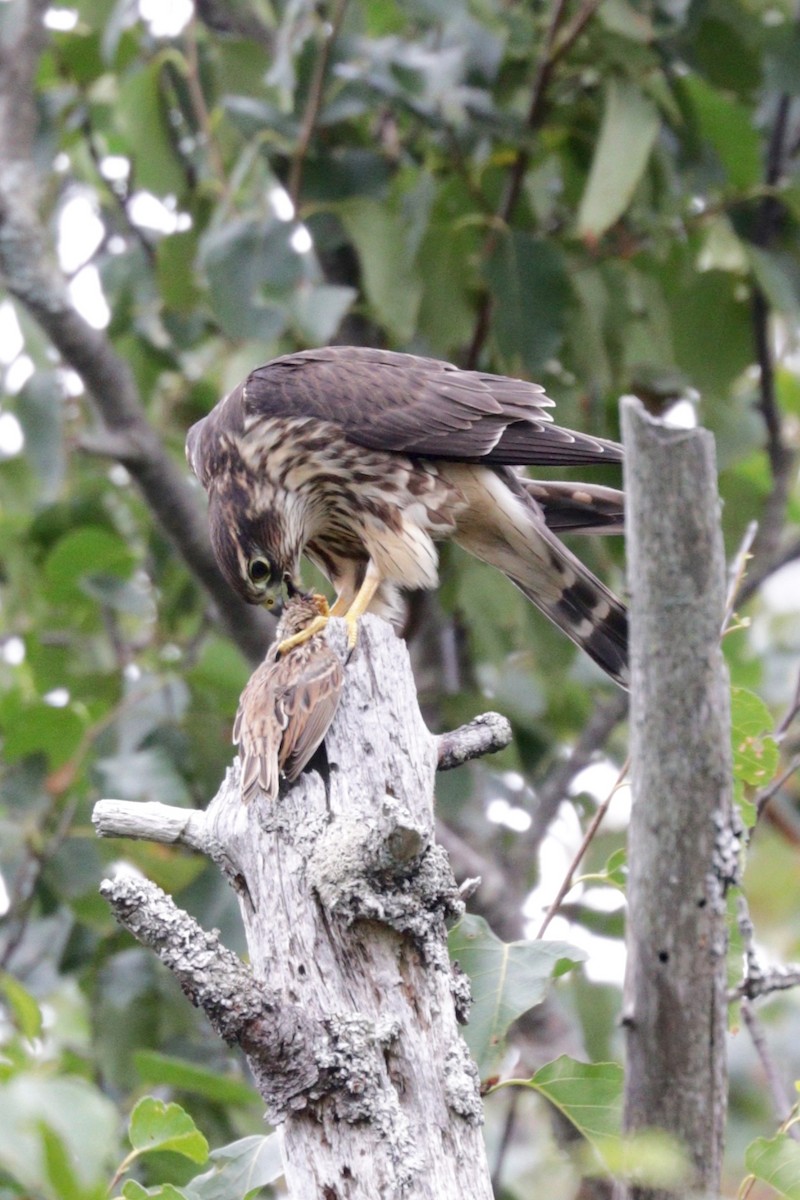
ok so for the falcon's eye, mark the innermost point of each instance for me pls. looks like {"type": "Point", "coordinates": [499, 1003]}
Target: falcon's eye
{"type": "Point", "coordinates": [258, 570]}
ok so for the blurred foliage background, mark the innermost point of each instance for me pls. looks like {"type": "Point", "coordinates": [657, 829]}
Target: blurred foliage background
{"type": "Point", "coordinates": [604, 197]}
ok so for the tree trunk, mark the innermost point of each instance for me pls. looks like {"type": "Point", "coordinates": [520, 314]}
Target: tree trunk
{"type": "Point", "coordinates": [683, 851]}
{"type": "Point", "coordinates": [349, 1019]}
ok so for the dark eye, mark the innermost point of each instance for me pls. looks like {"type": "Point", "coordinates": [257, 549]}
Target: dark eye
{"type": "Point", "coordinates": [259, 570]}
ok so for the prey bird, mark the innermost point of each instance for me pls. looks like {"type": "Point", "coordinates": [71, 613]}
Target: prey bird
{"type": "Point", "coordinates": [364, 459]}
{"type": "Point", "coordinates": [288, 704]}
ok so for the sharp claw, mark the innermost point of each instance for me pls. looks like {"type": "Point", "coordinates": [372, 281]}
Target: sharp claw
{"type": "Point", "coordinates": [297, 639]}
{"type": "Point", "coordinates": [352, 632]}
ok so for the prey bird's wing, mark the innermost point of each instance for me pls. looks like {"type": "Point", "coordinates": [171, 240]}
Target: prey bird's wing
{"type": "Point", "coordinates": [306, 702]}
{"type": "Point", "coordinates": [284, 713]}
{"type": "Point", "coordinates": [257, 731]}
{"type": "Point", "coordinates": [416, 406]}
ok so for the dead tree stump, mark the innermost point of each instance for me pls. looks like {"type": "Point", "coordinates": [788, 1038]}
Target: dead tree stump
{"type": "Point", "coordinates": [349, 1011]}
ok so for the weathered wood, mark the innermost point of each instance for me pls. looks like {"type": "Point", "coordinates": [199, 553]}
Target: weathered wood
{"type": "Point", "coordinates": [682, 850]}
{"type": "Point", "coordinates": [344, 896]}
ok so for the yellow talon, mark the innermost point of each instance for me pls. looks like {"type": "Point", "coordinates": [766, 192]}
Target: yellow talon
{"type": "Point", "coordinates": [315, 626]}
{"type": "Point", "coordinates": [351, 621]}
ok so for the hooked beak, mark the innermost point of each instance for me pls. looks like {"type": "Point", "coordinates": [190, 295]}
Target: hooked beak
{"type": "Point", "coordinates": [275, 599]}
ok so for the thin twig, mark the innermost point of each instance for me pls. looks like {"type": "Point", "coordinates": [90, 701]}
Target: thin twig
{"type": "Point", "coordinates": [779, 454]}
{"type": "Point", "coordinates": [737, 571]}
{"type": "Point", "coordinates": [780, 1101]}
{"type": "Point", "coordinates": [42, 850]}
{"type": "Point", "coordinates": [790, 714]}
{"type": "Point", "coordinates": [762, 571]}
{"type": "Point", "coordinates": [764, 796]}
{"type": "Point", "coordinates": [313, 105]}
{"type": "Point", "coordinates": [554, 50]}
{"type": "Point", "coordinates": [768, 981]}
{"type": "Point", "coordinates": [197, 96]}
{"type": "Point", "coordinates": [592, 829]}
{"type": "Point", "coordinates": [555, 787]}
{"type": "Point", "coordinates": [505, 1140]}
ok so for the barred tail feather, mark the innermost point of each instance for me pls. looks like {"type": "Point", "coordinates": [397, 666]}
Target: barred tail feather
{"type": "Point", "coordinates": [505, 527]}
{"type": "Point", "coordinates": [589, 614]}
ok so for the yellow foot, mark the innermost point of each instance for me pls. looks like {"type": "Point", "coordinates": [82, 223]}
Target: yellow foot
{"type": "Point", "coordinates": [314, 626]}
{"type": "Point", "coordinates": [351, 621]}
{"type": "Point", "coordinates": [297, 639]}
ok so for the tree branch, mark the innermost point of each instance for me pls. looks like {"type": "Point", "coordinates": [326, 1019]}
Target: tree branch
{"type": "Point", "coordinates": [484, 734]}
{"type": "Point", "coordinates": [781, 458]}
{"type": "Point", "coordinates": [553, 51]}
{"type": "Point", "coordinates": [38, 286]}
{"type": "Point", "coordinates": [276, 1035]}
{"type": "Point", "coordinates": [313, 104]}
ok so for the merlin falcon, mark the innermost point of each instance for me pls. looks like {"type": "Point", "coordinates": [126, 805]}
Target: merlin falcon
{"type": "Point", "coordinates": [363, 460]}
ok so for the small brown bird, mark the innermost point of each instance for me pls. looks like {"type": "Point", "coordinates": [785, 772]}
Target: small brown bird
{"type": "Point", "coordinates": [288, 704]}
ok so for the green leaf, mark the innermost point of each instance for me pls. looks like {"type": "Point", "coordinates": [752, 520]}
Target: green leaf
{"type": "Point", "coordinates": [728, 126]}
{"type": "Point", "coordinates": [83, 1120]}
{"type": "Point", "coordinates": [446, 314]}
{"type": "Point", "coordinates": [60, 1171]}
{"type": "Point", "coordinates": [26, 1012]}
{"type": "Point", "coordinates": [588, 1094]}
{"type": "Point", "coordinates": [622, 18]}
{"type": "Point", "coordinates": [241, 258]}
{"type": "Point", "coordinates": [755, 751]}
{"type": "Point", "coordinates": [627, 134]}
{"type": "Point", "coordinates": [317, 310]}
{"type": "Point", "coordinates": [155, 1125]}
{"type": "Point", "coordinates": [240, 1169]}
{"type": "Point", "coordinates": [774, 282]}
{"type": "Point", "coordinates": [163, 1191]}
{"type": "Point", "coordinates": [507, 979]}
{"type": "Point", "coordinates": [614, 873]}
{"type": "Point", "coordinates": [711, 329]}
{"type": "Point", "coordinates": [43, 728]}
{"type": "Point", "coordinates": [391, 281]}
{"type": "Point", "coordinates": [82, 554]}
{"type": "Point", "coordinates": [175, 262]}
{"type": "Point", "coordinates": [142, 114]}
{"type": "Point", "coordinates": [163, 1069]}
{"type": "Point", "coordinates": [776, 1162]}
{"type": "Point", "coordinates": [531, 294]}
{"type": "Point", "coordinates": [40, 409]}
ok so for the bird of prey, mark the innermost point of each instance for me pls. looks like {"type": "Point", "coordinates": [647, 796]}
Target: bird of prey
{"type": "Point", "coordinates": [364, 459]}
{"type": "Point", "coordinates": [288, 704]}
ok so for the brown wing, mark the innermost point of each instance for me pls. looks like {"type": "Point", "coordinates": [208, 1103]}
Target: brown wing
{"type": "Point", "coordinates": [406, 404]}
{"type": "Point", "coordinates": [306, 704]}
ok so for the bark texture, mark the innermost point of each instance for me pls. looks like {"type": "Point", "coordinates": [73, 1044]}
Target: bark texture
{"type": "Point", "coordinates": [349, 1015]}
{"type": "Point", "coordinates": [683, 850]}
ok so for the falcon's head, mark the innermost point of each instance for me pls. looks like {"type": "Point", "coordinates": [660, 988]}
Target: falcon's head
{"type": "Point", "coordinates": [253, 552]}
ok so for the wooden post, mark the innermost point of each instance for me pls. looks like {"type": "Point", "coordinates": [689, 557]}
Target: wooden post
{"type": "Point", "coordinates": [682, 849]}
{"type": "Point", "coordinates": [349, 1015]}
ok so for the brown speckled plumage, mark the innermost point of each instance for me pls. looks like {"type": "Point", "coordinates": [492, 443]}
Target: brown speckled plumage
{"type": "Point", "coordinates": [287, 706]}
{"type": "Point", "coordinates": [365, 459]}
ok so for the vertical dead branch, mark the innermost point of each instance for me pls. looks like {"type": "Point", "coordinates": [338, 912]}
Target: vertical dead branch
{"type": "Point", "coordinates": [349, 1014]}
{"type": "Point", "coordinates": [682, 849]}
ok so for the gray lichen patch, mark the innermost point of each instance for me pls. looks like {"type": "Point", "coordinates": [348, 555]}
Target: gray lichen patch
{"type": "Point", "coordinates": [373, 873]}
{"type": "Point", "coordinates": [462, 1083]}
{"type": "Point", "coordinates": [352, 1063]}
